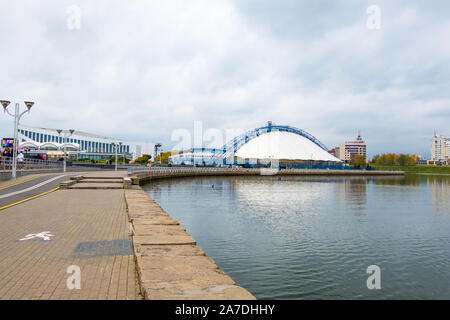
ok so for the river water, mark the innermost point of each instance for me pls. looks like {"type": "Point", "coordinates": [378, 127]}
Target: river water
{"type": "Point", "coordinates": [315, 237]}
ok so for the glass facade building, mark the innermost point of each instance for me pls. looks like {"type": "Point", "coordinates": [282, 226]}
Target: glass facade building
{"type": "Point", "coordinates": [86, 145]}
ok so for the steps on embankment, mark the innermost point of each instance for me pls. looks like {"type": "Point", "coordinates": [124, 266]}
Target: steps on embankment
{"type": "Point", "coordinates": [96, 182]}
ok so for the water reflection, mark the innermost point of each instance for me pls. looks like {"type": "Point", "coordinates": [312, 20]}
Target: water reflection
{"type": "Point", "coordinates": [440, 193]}
{"type": "Point", "coordinates": [353, 191]}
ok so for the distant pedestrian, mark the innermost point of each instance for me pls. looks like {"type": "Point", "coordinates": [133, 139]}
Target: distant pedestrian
{"type": "Point", "coordinates": [20, 159]}
{"type": "Point", "coordinates": [7, 155]}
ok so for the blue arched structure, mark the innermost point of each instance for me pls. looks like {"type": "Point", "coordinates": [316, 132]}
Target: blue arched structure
{"type": "Point", "coordinates": [225, 155]}
{"type": "Point", "coordinates": [230, 148]}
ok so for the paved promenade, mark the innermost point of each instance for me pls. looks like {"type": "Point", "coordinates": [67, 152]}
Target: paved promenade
{"type": "Point", "coordinates": [88, 229]}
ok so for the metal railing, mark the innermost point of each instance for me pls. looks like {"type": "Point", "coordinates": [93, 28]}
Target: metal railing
{"type": "Point", "coordinates": [6, 163]}
{"type": "Point", "coordinates": [162, 170]}
{"type": "Point", "coordinates": [188, 169]}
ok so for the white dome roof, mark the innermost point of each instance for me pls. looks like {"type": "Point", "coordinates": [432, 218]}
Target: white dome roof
{"type": "Point", "coordinates": [283, 145]}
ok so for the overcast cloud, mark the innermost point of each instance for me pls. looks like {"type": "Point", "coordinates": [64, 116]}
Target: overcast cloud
{"type": "Point", "coordinates": [140, 69]}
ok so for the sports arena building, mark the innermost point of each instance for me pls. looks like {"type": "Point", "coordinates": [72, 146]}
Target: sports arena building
{"type": "Point", "coordinates": [80, 145]}
{"type": "Point", "coordinates": [288, 146]}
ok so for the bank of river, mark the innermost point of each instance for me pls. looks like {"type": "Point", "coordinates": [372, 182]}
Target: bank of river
{"type": "Point", "coordinates": [314, 237]}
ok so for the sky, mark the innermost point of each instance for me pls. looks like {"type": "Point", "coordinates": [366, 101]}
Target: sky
{"type": "Point", "coordinates": [140, 70]}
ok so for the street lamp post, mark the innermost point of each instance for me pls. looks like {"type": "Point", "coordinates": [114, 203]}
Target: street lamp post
{"type": "Point", "coordinates": [17, 115]}
{"type": "Point", "coordinates": [115, 152]}
{"type": "Point", "coordinates": [157, 146]}
{"type": "Point", "coordinates": [120, 148]}
{"type": "Point", "coordinates": [65, 136]}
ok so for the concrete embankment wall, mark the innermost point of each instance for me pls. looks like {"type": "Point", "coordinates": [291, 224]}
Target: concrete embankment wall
{"type": "Point", "coordinates": [170, 264]}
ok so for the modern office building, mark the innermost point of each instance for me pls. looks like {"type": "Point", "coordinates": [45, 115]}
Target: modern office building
{"type": "Point", "coordinates": [81, 145]}
{"type": "Point", "coordinates": [349, 149]}
{"type": "Point", "coordinates": [440, 148]}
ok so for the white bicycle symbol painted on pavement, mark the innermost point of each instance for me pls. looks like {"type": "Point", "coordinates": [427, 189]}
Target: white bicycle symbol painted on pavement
{"type": "Point", "coordinates": [43, 235]}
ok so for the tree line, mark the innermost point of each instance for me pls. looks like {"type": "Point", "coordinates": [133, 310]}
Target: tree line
{"type": "Point", "coordinates": [392, 159]}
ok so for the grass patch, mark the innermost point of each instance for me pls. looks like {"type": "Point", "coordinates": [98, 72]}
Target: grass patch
{"type": "Point", "coordinates": [414, 169]}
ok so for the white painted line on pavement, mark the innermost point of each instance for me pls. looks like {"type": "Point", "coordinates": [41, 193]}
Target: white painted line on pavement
{"type": "Point", "coordinates": [30, 188]}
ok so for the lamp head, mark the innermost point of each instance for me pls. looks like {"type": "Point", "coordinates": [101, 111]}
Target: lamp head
{"type": "Point", "coordinates": [120, 143]}
{"type": "Point", "coordinates": [5, 103]}
{"type": "Point", "coordinates": [29, 104]}
{"type": "Point", "coordinates": [59, 131]}
{"type": "Point", "coordinates": [71, 131]}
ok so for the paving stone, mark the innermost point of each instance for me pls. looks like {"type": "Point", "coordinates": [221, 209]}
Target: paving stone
{"type": "Point", "coordinates": [195, 290]}
{"type": "Point", "coordinates": [184, 272]}
{"type": "Point", "coordinates": [185, 262]}
{"type": "Point", "coordinates": [146, 229]}
{"type": "Point", "coordinates": [155, 220]}
{"type": "Point", "coordinates": [164, 239]}
{"type": "Point", "coordinates": [170, 251]}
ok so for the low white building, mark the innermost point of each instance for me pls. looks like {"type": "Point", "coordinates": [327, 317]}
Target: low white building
{"type": "Point", "coordinates": [86, 145]}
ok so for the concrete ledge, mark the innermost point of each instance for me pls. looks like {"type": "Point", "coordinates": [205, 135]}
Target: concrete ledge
{"type": "Point", "coordinates": [170, 264]}
{"type": "Point", "coordinates": [127, 183]}
{"type": "Point", "coordinates": [198, 289]}
{"type": "Point", "coordinates": [77, 178]}
{"type": "Point", "coordinates": [169, 251]}
{"type": "Point", "coordinates": [67, 184]}
{"type": "Point", "coordinates": [95, 186]}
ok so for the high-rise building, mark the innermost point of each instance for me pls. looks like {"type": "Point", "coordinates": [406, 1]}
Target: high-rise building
{"type": "Point", "coordinates": [440, 148]}
{"type": "Point", "coordinates": [349, 149]}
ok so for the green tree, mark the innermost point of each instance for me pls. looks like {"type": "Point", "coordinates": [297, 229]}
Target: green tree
{"type": "Point", "coordinates": [392, 159]}
{"type": "Point", "coordinates": [144, 159]}
{"type": "Point", "coordinates": [164, 157]}
{"type": "Point", "coordinates": [358, 161]}
{"type": "Point", "coordinates": [403, 159]}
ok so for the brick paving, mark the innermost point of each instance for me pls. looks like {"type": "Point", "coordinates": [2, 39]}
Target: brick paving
{"type": "Point", "coordinates": [37, 269]}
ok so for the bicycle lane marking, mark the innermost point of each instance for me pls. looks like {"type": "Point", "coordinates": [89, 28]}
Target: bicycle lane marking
{"type": "Point", "coordinates": [15, 184]}
{"type": "Point", "coordinates": [27, 199]}
{"type": "Point", "coordinates": [31, 188]}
